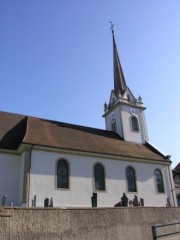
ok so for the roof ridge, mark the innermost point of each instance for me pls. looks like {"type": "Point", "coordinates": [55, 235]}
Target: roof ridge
{"type": "Point", "coordinates": [55, 121]}
{"type": "Point", "coordinates": [69, 124]}
{"type": "Point", "coordinates": [19, 114]}
{"type": "Point", "coordinates": [63, 124]}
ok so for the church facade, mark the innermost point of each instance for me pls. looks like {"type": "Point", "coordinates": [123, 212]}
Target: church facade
{"type": "Point", "coordinates": [67, 163]}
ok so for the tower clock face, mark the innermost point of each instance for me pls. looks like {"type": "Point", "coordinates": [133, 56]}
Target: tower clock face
{"type": "Point", "coordinates": [113, 115]}
{"type": "Point", "coordinates": [132, 110]}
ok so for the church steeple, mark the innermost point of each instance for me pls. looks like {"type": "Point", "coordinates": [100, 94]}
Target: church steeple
{"type": "Point", "coordinates": [124, 114]}
{"type": "Point", "coordinates": [119, 80]}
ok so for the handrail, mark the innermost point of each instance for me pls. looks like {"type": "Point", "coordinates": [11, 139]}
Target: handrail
{"type": "Point", "coordinates": [155, 236]}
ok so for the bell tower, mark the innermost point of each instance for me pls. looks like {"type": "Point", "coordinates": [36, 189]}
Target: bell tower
{"type": "Point", "coordinates": [124, 114]}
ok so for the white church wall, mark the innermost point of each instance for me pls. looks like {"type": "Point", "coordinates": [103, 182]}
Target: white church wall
{"type": "Point", "coordinates": [114, 114]}
{"type": "Point", "coordinates": [43, 181]}
{"type": "Point", "coordinates": [122, 115]}
{"type": "Point", "coordinates": [129, 135]}
{"type": "Point", "coordinates": [9, 178]}
{"type": "Point", "coordinates": [144, 133]}
{"type": "Point", "coordinates": [147, 184]}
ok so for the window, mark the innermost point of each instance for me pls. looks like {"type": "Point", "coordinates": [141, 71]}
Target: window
{"type": "Point", "coordinates": [131, 179]}
{"type": "Point", "coordinates": [113, 125]}
{"type": "Point", "coordinates": [99, 177]}
{"type": "Point", "coordinates": [135, 125]}
{"type": "Point", "coordinates": [62, 174]}
{"type": "Point", "coordinates": [159, 181]}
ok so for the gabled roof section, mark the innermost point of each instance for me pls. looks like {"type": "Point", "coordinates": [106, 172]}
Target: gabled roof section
{"type": "Point", "coordinates": [16, 129]}
{"type": "Point", "coordinates": [131, 95]}
{"type": "Point", "coordinates": [176, 172]}
{"type": "Point", "coordinates": [119, 80]}
{"type": "Point", "coordinates": [112, 98]}
{"type": "Point", "coordinates": [177, 168]}
{"type": "Point", "coordinates": [73, 137]}
{"type": "Point", "coordinates": [12, 130]}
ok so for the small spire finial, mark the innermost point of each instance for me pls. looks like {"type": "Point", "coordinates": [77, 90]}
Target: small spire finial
{"type": "Point", "coordinates": [111, 28]}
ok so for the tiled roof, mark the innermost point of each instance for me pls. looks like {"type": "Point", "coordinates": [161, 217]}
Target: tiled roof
{"type": "Point", "coordinates": [176, 171]}
{"type": "Point", "coordinates": [177, 168]}
{"type": "Point", "coordinates": [12, 130]}
{"type": "Point", "coordinates": [16, 129]}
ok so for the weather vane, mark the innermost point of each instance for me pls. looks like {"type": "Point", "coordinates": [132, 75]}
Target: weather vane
{"type": "Point", "coordinates": [111, 28]}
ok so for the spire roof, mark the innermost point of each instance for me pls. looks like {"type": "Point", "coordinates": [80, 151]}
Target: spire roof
{"type": "Point", "coordinates": [119, 80]}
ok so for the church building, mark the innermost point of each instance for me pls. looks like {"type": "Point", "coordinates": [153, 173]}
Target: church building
{"type": "Point", "coordinates": [67, 163]}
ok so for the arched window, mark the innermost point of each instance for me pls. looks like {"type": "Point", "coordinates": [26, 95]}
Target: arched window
{"type": "Point", "coordinates": [62, 174]}
{"type": "Point", "coordinates": [159, 181]}
{"type": "Point", "coordinates": [113, 125]}
{"type": "Point", "coordinates": [135, 125]}
{"type": "Point", "coordinates": [131, 179]}
{"type": "Point", "coordinates": [178, 199]}
{"type": "Point", "coordinates": [99, 177]}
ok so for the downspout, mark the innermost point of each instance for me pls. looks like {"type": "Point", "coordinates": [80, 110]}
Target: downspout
{"type": "Point", "coordinates": [29, 177]}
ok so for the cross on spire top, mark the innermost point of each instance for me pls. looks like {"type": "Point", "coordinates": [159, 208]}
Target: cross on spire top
{"type": "Point", "coordinates": [111, 28]}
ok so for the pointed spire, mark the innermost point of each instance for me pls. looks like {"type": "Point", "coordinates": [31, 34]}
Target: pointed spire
{"type": "Point", "coordinates": [119, 80]}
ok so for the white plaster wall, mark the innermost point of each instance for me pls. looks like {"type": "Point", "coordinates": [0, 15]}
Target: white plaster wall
{"type": "Point", "coordinates": [144, 126]}
{"type": "Point", "coordinates": [42, 181]}
{"type": "Point", "coordinates": [118, 119]}
{"type": "Point", "coordinates": [123, 116]}
{"type": "Point", "coordinates": [129, 135]}
{"type": "Point", "coordinates": [108, 120]}
{"type": "Point", "coordinates": [9, 178]}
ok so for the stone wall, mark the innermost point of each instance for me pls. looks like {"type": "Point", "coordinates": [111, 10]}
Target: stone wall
{"type": "Point", "coordinates": [84, 224]}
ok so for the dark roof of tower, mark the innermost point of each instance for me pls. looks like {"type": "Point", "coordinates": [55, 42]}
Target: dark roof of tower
{"type": "Point", "coordinates": [177, 168]}
{"type": "Point", "coordinates": [119, 80]}
{"type": "Point", "coordinates": [176, 172]}
{"type": "Point", "coordinates": [16, 129]}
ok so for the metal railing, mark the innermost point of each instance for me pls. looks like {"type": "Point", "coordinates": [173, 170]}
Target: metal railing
{"type": "Point", "coordinates": [154, 233]}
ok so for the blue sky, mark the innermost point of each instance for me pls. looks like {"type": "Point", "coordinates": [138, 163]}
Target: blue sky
{"type": "Point", "coordinates": [56, 61]}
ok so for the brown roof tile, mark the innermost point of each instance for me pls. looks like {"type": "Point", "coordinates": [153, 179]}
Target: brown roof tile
{"type": "Point", "coordinates": [48, 133]}
{"type": "Point", "coordinates": [12, 129]}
